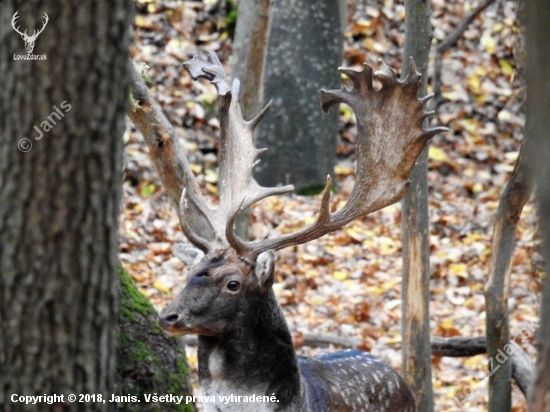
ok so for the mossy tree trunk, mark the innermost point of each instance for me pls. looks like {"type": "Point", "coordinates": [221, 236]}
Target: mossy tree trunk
{"type": "Point", "coordinates": [148, 360]}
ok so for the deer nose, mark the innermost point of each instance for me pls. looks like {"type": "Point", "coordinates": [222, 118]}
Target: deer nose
{"type": "Point", "coordinates": [167, 320]}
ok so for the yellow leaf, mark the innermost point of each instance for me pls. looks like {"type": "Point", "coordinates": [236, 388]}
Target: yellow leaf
{"type": "Point", "coordinates": [212, 188]}
{"type": "Point", "coordinates": [471, 238]}
{"type": "Point", "coordinates": [161, 287]}
{"type": "Point", "coordinates": [369, 44]}
{"type": "Point", "coordinates": [317, 300]}
{"type": "Point", "coordinates": [173, 44]}
{"type": "Point", "coordinates": [480, 71]}
{"type": "Point", "coordinates": [145, 292]}
{"type": "Point", "coordinates": [459, 269]}
{"type": "Point", "coordinates": [474, 362]}
{"type": "Point", "coordinates": [207, 98]}
{"type": "Point", "coordinates": [447, 324]}
{"type": "Point", "coordinates": [387, 245]}
{"type": "Point", "coordinates": [506, 66]}
{"type": "Point", "coordinates": [477, 188]}
{"type": "Point", "coordinates": [143, 22]}
{"type": "Point", "coordinates": [474, 83]}
{"type": "Point", "coordinates": [476, 286]}
{"type": "Point", "coordinates": [195, 168]}
{"type": "Point", "coordinates": [489, 43]}
{"type": "Point", "coordinates": [504, 116]}
{"type": "Point", "coordinates": [363, 22]}
{"type": "Point", "coordinates": [435, 153]}
{"type": "Point", "coordinates": [343, 170]}
{"type": "Point", "coordinates": [469, 172]}
{"type": "Point", "coordinates": [498, 27]}
{"type": "Point", "coordinates": [210, 176]}
{"type": "Point", "coordinates": [356, 233]}
{"type": "Point", "coordinates": [511, 156]}
{"type": "Point", "coordinates": [375, 290]}
{"type": "Point", "coordinates": [340, 275]}
{"type": "Point", "coordinates": [391, 341]}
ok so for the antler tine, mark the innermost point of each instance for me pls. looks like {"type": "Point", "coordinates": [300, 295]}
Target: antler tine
{"type": "Point", "coordinates": [237, 187]}
{"type": "Point", "coordinates": [192, 205]}
{"type": "Point", "coordinates": [13, 22]}
{"type": "Point", "coordinates": [390, 139]}
{"type": "Point", "coordinates": [36, 33]}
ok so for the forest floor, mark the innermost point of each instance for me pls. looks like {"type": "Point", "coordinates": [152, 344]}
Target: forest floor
{"type": "Point", "coordinates": [348, 284]}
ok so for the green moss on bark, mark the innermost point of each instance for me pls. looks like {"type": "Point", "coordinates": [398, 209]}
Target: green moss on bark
{"type": "Point", "coordinates": [149, 361]}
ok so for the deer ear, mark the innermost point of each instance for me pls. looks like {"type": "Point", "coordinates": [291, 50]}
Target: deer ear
{"type": "Point", "coordinates": [189, 255]}
{"type": "Point", "coordinates": [264, 267]}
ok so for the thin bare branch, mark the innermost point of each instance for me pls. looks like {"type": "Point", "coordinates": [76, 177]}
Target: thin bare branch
{"type": "Point", "coordinates": [167, 154]}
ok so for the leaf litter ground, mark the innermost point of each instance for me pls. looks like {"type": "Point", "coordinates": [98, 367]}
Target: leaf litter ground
{"type": "Point", "coordinates": [348, 284]}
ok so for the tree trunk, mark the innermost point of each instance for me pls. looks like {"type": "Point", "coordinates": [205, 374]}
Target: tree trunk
{"type": "Point", "coordinates": [537, 16]}
{"type": "Point", "coordinates": [148, 360]}
{"type": "Point", "coordinates": [59, 200]}
{"type": "Point", "coordinates": [248, 65]}
{"type": "Point", "coordinates": [416, 270]}
{"type": "Point", "coordinates": [304, 50]}
{"type": "Point", "coordinates": [249, 53]}
{"type": "Point", "coordinates": [515, 195]}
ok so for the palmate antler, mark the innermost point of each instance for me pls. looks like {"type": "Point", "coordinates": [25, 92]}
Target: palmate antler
{"type": "Point", "coordinates": [391, 137]}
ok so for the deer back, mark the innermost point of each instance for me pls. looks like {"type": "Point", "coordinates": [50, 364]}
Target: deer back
{"type": "Point", "coordinates": [351, 380]}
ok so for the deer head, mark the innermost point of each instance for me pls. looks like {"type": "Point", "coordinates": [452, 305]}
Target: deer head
{"type": "Point", "coordinates": [29, 40]}
{"type": "Point", "coordinates": [390, 139]}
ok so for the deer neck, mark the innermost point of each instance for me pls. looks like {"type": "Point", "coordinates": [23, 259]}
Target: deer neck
{"type": "Point", "coordinates": [256, 357]}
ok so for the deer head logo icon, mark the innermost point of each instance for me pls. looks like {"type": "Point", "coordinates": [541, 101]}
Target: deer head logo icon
{"type": "Point", "coordinates": [29, 40]}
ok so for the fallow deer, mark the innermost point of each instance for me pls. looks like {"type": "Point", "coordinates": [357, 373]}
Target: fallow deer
{"type": "Point", "coordinates": [245, 347]}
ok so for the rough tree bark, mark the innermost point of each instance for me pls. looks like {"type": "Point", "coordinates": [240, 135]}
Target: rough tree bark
{"type": "Point", "coordinates": [537, 16]}
{"type": "Point", "coordinates": [497, 289]}
{"type": "Point", "coordinates": [304, 50]}
{"type": "Point", "coordinates": [417, 362]}
{"type": "Point", "coordinates": [59, 201]}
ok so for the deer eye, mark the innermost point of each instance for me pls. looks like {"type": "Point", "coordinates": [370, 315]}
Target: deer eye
{"type": "Point", "coordinates": [233, 286]}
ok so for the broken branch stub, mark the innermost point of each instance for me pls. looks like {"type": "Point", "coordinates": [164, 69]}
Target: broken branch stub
{"type": "Point", "coordinates": [390, 139]}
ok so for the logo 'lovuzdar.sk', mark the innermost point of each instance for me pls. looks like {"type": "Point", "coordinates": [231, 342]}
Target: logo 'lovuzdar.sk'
{"type": "Point", "coordinates": [29, 40]}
